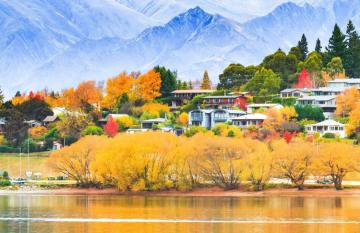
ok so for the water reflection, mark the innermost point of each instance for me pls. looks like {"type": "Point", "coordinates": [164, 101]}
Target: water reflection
{"type": "Point", "coordinates": [267, 212]}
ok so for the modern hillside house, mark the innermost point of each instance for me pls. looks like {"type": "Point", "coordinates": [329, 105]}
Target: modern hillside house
{"type": "Point", "coordinates": [249, 120]}
{"type": "Point", "coordinates": [327, 126]}
{"type": "Point", "coordinates": [326, 103]}
{"type": "Point", "coordinates": [295, 92]}
{"type": "Point", "coordinates": [208, 118]}
{"type": "Point", "coordinates": [179, 96]}
{"type": "Point", "coordinates": [344, 83]}
{"type": "Point", "coordinates": [226, 102]}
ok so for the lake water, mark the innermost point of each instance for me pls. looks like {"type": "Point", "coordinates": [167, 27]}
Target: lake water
{"type": "Point", "coordinates": [135, 214]}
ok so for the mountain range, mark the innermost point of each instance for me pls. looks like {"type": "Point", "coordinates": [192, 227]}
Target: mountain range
{"type": "Point", "coordinates": [58, 43]}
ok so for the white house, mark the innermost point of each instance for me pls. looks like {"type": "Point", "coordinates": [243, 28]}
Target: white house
{"type": "Point", "coordinates": [344, 83]}
{"type": "Point", "coordinates": [326, 103]}
{"type": "Point", "coordinates": [251, 108]}
{"type": "Point", "coordinates": [295, 92]}
{"type": "Point", "coordinates": [208, 118]}
{"type": "Point", "coordinates": [248, 120]}
{"type": "Point", "coordinates": [327, 126]}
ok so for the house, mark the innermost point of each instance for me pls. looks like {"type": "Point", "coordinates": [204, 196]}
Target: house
{"type": "Point", "coordinates": [180, 96]}
{"type": "Point", "coordinates": [133, 130]}
{"type": "Point", "coordinates": [33, 123]}
{"type": "Point", "coordinates": [248, 120]}
{"type": "Point", "coordinates": [251, 108]}
{"type": "Point", "coordinates": [225, 102]}
{"type": "Point", "coordinates": [50, 119]}
{"type": "Point", "coordinates": [344, 83]}
{"type": "Point", "coordinates": [327, 126]}
{"type": "Point", "coordinates": [326, 103]}
{"type": "Point", "coordinates": [208, 118]}
{"type": "Point", "coordinates": [295, 92]}
{"type": "Point", "coordinates": [327, 91]}
{"type": "Point", "coordinates": [57, 146]}
{"type": "Point", "coordinates": [152, 123]}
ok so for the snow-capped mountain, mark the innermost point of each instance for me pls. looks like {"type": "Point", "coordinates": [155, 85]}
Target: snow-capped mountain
{"type": "Point", "coordinates": [35, 31]}
{"type": "Point", "coordinates": [57, 43]}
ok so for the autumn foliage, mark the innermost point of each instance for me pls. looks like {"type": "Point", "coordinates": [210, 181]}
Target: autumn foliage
{"type": "Point", "coordinates": [111, 127]}
{"type": "Point", "coordinates": [164, 161]}
{"type": "Point", "coordinates": [304, 80]}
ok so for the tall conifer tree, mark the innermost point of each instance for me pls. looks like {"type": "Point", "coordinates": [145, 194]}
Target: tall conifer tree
{"type": "Point", "coordinates": [318, 46]}
{"type": "Point", "coordinates": [337, 45]}
{"type": "Point", "coordinates": [303, 46]}
{"type": "Point", "coordinates": [352, 58]}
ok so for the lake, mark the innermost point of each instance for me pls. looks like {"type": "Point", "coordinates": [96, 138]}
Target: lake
{"type": "Point", "coordinates": [135, 214]}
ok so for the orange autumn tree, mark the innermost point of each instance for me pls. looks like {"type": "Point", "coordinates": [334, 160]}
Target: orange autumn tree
{"type": "Point", "coordinates": [88, 92]}
{"type": "Point", "coordinates": [68, 98]}
{"type": "Point", "coordinates": [147, 86]}
{"type": "Point", "coordinates": [353, 125]}
{"type": "Point", "coordinates": [116, 87]}
{"type": "Point", "coordinates": [347, 101]}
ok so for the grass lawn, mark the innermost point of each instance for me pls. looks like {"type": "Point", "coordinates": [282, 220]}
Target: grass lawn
{"type": "Point", "coordinates": [36, 162]}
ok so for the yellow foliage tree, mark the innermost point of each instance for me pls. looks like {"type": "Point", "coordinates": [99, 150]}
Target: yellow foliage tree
{"type": "Point", "coordinates": [183, 119]}
{"type": "Point", "coordinates": [75, 161]}
{"type": "Point", "coordinates": [137, 162]}
{"type": "Point", "coordinates": [347, 101]}
{"type": "Point", "coordinates": [294, 161]}
{"type": "Point", "coordinates": [116, 87]}
{"type": "Point", "coordinates": [155, 109]}
{"type": "Point", "coordinates": [258, 164]}
{"type": "Point", "coordinates": [38, 132]}
{"type": "Point", "coordinates": [336, 160]}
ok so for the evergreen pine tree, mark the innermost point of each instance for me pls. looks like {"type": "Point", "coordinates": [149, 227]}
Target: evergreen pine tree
{"type": "Point", "coordinates": [352, 58]}
{"type": "Point", "coordinates": [303, 46]}
{"type": "Point", "coordinates": [318, 46]}
{"type": "Point", "coordinates": [337, 45]}
{"type": "Point", "coordinates": [206, 83]}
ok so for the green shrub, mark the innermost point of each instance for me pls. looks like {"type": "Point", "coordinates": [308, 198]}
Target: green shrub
{"type": "Point", "coordinates": [290, 101]}
{"type": "Point", "coordinates": [4, 183]}
{"type": "Point", "coordinates": [329, 135]}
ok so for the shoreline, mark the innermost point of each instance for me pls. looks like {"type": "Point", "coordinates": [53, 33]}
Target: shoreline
{"type": "Point", "coordinates": [201, 192]}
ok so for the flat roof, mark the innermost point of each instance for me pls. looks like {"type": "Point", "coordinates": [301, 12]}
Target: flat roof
{"type": "Point", "coordinates": [264, 105]}
{"type": "Point", "coordinates": [296, 89]}
{"type": "Point", "coordinates": [346, 80]}
{"type": "Point", "coordinates": [156, 120]}
{"type": "Point", "coordinates": [192, 91]}
{"type": "Point", "coordinates": [222, 97]}
{"type": "Point", "coordinates": [255, 116]}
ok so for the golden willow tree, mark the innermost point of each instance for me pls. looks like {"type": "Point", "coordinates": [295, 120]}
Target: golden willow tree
{"type": "Point", "coordinates": [206, 83]}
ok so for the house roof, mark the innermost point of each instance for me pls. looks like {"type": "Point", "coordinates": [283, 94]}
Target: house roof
{"type": "Point", "coordinates": [222, 97]}
{"type": "Point", "coordinates": [155, 120]}
{"type": "Point", "coordinates": [192, 91]}
{"type": "Point", "coordinates": [347, 80]}
{"type": "Point", "coordinates": [296, 89]}
{"type": "Point", "coordinates": [236, 111]}
{"type": "Point", "coordinates": [264, 105]}
{"type": "Point", "coordinates": [255, 116]}
{"type": "Point", "coordinates": [327, 123]}
{"type": "Point", "coordinates": [50, 118]}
